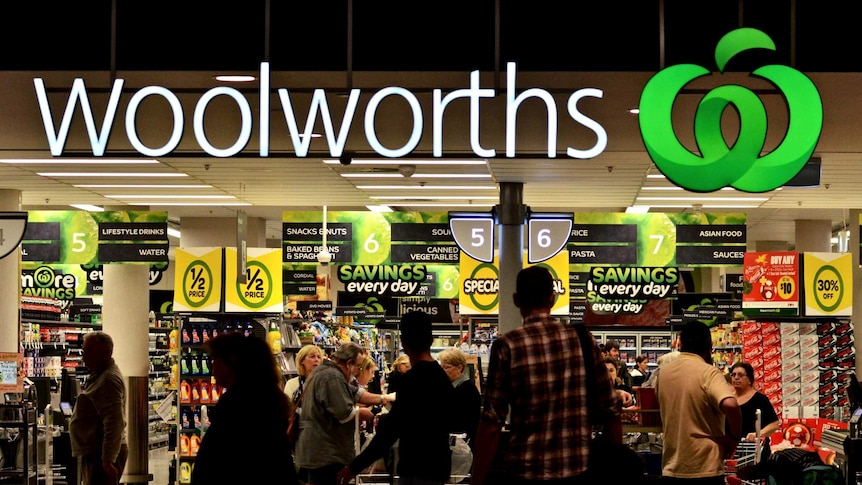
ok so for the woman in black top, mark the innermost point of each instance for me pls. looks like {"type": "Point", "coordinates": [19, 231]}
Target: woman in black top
{"type": "Point", "coordinates": [467, 405]}
{"type": "Point", "coordinates": [750, 400]}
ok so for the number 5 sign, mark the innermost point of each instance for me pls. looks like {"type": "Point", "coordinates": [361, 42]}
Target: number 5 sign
{"type": "Point", "coordinates": [474, 233]}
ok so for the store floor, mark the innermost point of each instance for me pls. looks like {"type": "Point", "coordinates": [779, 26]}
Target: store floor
{"type": "Point", "coordinates": [160, 460]}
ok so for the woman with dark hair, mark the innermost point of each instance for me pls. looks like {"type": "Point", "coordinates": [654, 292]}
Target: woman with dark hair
{"type": "Point", "coordinates": [750, 400]}
{"type": "Point", "coordinates": [248, 434]}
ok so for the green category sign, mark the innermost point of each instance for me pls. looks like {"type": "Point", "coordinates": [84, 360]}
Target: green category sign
{"type": "Point", "coordinates": [88, 238]}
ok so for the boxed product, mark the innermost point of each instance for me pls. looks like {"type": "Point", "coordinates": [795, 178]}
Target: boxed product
{"type": "Point", "coordinates": [789, 329]}
{"type": "Point", "coordinates": [807, 328]}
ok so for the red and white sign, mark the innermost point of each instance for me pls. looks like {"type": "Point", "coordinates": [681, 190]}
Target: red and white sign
{"type": "Point", "coordinates": [771, 283]}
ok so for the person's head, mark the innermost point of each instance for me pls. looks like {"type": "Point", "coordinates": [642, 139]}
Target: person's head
{"type": "Point", "coordinates": [308, 357]}
{"type": "Point", "coordinates": [612, 347]}
{"type": "Point", "coordinates": [611, 365]}
{"type": "Point", "coordinates": [416, 332]}
{"type": "Point", "coordinates": [453, 362]}
{"type": "Point", "coordinates": [366, 370]}
{"type": "Point", "coordinates": [696, 339]}
{"type": "Point", "coordinates": [401, 364]}
{"type": "Point", "coordinates": [98, 350]}
{"type": "Point", "coordinates": [534, 290]}
{"type": "Point", "coordinates": [240, 360]}
{"type": "Point", "coordinates": [348, 357]}
{"type": "Point", "coordinates": [642, 363]}
{"type": "Point", "coordinates": [741, 376]}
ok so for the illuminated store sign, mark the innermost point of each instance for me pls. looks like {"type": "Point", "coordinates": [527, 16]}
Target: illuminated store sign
{"type": "Point", "coordinates": [740, 165]}
{"type": "Point", "coordinates": [319, 107]}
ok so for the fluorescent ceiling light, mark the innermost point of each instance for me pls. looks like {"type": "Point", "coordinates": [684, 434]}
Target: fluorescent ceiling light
{"type": "Point", "coordinates": [234, 78]}
{"type": "Point", "coordinates": [86, 161]}
{"type": "Point", "coordinates": [419, 175]}
{"type": "Point", "coordinates": [141, 186]}
{"type": "Point", "coordinates": [711, 206]}
{"type": "Point", "coordinates": [408, 162]}
{"type": "Point", "coordinates": [201, 204]}
{"type": "Point", "coordinates": [662, 188]}
{"type": "Point", "coordinates": [170, 196]}
{"type": "Point", "coordinates": [719, 199]}
{"type": "Point", "coordinates": [436, 197]}
{"type": "Point", "coordinates": [637, 209]}
{"type": "Point", "coordinates": [634, 111]}
{"type": "Point", "coordinates": [173, 232]}
{"type": "Point", "coordinates": [655, 176]}
{"type": "Point", "coordinates": [313, 135]}
{"type": "Point", "coordinates": [426, 187]}
{"type": "Point", "coordinates": [449, 205]}
{"type": "Point", "coordinates": [379, 208]}
{"type": "Point", "coordinates": [111, 174]}
{"type": "Point", "coordinates": [88, 207]}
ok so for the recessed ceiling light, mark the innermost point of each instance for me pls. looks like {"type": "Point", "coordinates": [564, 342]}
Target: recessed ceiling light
{"type": "Point", "coordinates": [234, 78]}
{"type": "Point", "coordinates": [635, 111]}
{"type": "Point", "coordinates": [86, 161]}
{"type": "Point", "coordinates": [436, 197]}
{"type": "Point", "coordinates": [111, 174]}
{"type": "Point", "coordinates": [170, 197]}
{"type": "Point", "coordinates": [196, 204]}
{"type": "Point", "coordinates": [411, 162]}
{"type": "Point", "coordinates": [379, 208]}
{"type": "Point", "coordinates": [655, 176]}
{"type": "Point", "coordinates": [637, 209]}
{"type": "Point", "coordinates": [718, 199]}
{"type": "Point", "coordinates": [88, 207]}
{"type": "Point", "coordinates": [141, 186]}
{"type": "Point", "coordinates": [313, 135]}
{"type": "Point", "coordinates": [419, 176]}
{"type": "Point", "coordinates": [449, 205]}
{"type": "Point", "coordinates": [426, 187]}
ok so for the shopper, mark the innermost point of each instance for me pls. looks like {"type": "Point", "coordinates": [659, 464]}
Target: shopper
{"type": "Point", "coordinates": [98, 427]}
{"type": "Point", "coordinates": [661, 362]}
{"type": "Point", "coordinates": [612, 348]}
{"type": "Point", "coordinates": [612, 365]}
{"type": "Point", "coordinates": [536, 372]}
{"type": "Point", "coordinates": [307, 359]}
{"type": "Point", "coordinates": [419, 419]}
{"type": "Point", "coordinates": [329, 412]}
{"type": "Point", "coordinates": [750, 401]}
{"type": "Point", "coordinates": [248, 434]}
{"type": "Point", "coordinates": [695, 399]}
{"type": "Point", "coordinates": [467, 403]}
{"type": "Point", "coordinates": [396, 371]}
{"type": "Point", "coordinates": [640, 373]}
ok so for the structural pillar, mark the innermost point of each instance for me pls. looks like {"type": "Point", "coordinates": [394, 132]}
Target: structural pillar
{"type": "Point", "coordinates": [220, 232]}
{"type": "Point", "coordinates": [857, 282]}
{"type": "Point", "coordinates": [510, 218]}
{"type": "Point", "coordinates": [770, 246]}
{"type": "Point", "coordinates": [10, 283]}
{"type": "Point", "coordinates": [814, 235]}
{"type": "Point", "coordinates": [125, 312]}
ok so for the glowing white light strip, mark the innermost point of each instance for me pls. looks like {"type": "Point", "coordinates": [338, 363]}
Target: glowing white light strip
{"type": "Point", "coordinates": [174, 233]}
{"type": "Point", "coordinates": [54, 161]}
{"type": "Point", "coordinates": [437, 197]}
{"type": "Point", "coordinates": [235, 78]}
{"type": "Point", "coordinates": [196, 204]}
{"type": "Point", "coordinates": [426, 187]}
{"type": "Point", "coordinates": [170, 197]}
{"type": "Point", "coordinates": [408, 162]}
{"type": "Point", "coordinates": [719, 199]}
{"type": "Point", "coordinates": [419, 176]}
{"type": "Point", "coordinates": [379, 208]}
{"type": "Point", "coordinates": [110, 174]}
{"type": "Point", "coordinates": [141, 186]}
{"type": "Point", "coordinates": [448, 205]}
{"type": "Point", "coordinates": [88, 207]}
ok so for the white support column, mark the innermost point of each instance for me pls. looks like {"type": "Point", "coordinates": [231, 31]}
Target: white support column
{"type": "Point", "coordinates": [813, 235]}
{"type": "Point", "coordinates": [10, 283]}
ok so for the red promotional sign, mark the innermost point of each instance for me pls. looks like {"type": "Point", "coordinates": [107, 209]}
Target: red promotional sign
{"type": "Point", "coordinates": [771, 283]}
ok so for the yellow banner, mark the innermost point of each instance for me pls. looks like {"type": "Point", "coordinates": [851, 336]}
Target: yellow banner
{"type": "Point", "coordinates": [828, 283]}
{"type": "Point", "coordinates": [480, 284]}
{"type": "Point", "coordinates": [198, 280]}
{"type": "Point", "coordinates": [262, 290]}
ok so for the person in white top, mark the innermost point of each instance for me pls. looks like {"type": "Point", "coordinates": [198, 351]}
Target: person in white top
{"type": "Point", "coordinates": [308, 357]}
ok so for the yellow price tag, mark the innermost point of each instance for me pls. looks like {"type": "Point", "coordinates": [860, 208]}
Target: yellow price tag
{"type": "Point", "coordinates": [786, 287]}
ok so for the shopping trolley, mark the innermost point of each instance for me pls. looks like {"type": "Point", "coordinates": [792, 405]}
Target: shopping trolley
{"type": "Point", "coordinates": [747, 455]}
{"type": "Point", "coordinates": [387, 479]}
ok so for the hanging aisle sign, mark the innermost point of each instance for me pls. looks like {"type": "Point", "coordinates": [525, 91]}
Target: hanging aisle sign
{"type": "Point", "coordinates": [261, 289]}
{"type": "Point", "coordinates": [198, 280]}
{"type": "Point", "coordinates": [828, 284]}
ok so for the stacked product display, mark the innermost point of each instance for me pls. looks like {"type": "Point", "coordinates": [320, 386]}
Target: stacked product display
{"type": "Point", "coordinates": [801, 367]}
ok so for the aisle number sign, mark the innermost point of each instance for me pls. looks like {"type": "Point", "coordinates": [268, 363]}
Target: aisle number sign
{"type": "Point", "coordinates": [198, 280]}
{"type": "Point", "coordinates": [480, 285]}
{"type": "Point", "coordinates": [828, 279]}
{"type": "Point", "coordinates": [262, 289]}
{"type": "Point", "coordinates": [771, 283]}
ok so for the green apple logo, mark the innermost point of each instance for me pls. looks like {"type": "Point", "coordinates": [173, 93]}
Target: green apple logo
{"type": "Point", "coordinates": [719, 165]}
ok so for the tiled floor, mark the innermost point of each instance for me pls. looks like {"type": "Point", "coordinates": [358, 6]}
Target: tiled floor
{"type": "Point", "coordinates": [160, 460]}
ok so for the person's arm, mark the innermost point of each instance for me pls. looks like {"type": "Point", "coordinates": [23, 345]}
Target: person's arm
{"type": "Point", "coordinates": [371, 399]}
{"type": "Point", "coordinates": [484, 450]}
{"type": "Point", "coordinates": [733, 416]}
{"type": "Point", "coordinates": [384, 438]}
{"type": "Point", "coordinates": [108, 400]}
{"type": "Point", "coordinates": [493, 415]}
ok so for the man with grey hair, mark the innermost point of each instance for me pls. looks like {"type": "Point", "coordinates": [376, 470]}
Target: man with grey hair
{"type": "Point", "coordinates": [98, 426]}
{"type": "Point", "coordinates": [327, 422]}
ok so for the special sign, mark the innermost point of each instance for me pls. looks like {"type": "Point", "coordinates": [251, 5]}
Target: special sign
{"type": "Point", "coordinates": [262, 289]}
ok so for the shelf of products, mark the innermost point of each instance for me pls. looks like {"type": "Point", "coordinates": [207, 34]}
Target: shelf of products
{"type": "Point", "coordinates": [650, 343]}
{"type": "Point", "coordinates": [163, 374]}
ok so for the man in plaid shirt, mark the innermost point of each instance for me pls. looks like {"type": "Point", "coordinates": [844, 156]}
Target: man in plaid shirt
{"type": "Point", "coordinates": [537, 372]}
